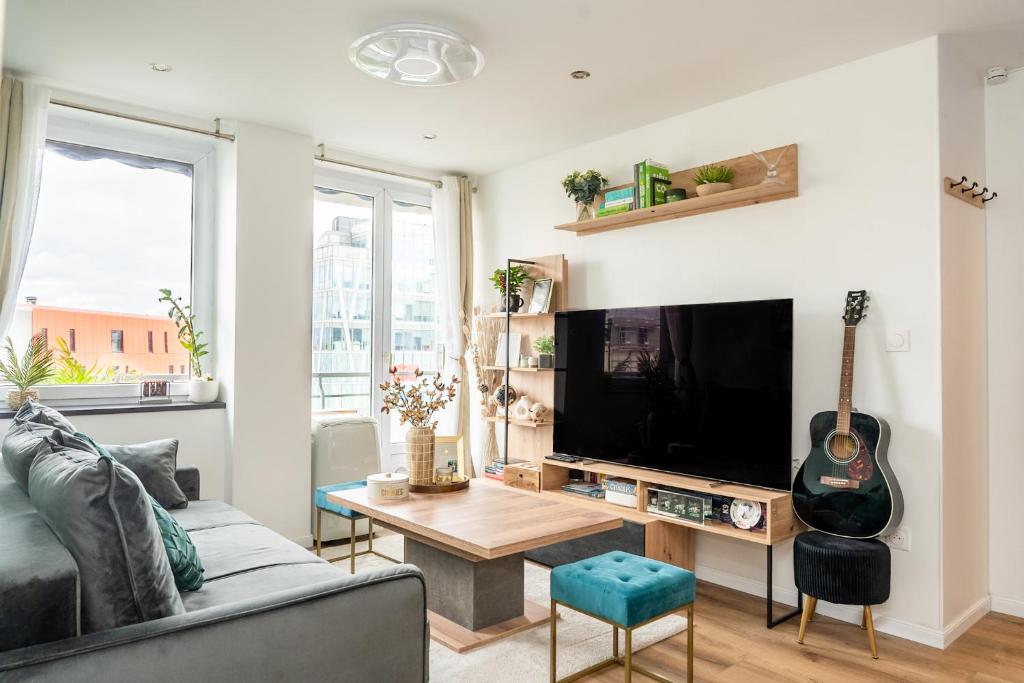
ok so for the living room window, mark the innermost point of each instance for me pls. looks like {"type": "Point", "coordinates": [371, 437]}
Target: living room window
{"type": "Point", "coordinates": [374, 293]}
{"type": "Point", "coordinates": [114, 224]}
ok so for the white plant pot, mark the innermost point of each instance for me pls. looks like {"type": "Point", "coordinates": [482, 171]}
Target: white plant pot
{"type": "Point", "coordinates": [712, 188]}
{"type": "Point", "coordinates": [203, 391]}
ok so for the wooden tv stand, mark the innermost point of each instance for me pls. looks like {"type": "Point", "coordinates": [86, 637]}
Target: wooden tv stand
{"type": "Point", "coordinates": [670, 539]}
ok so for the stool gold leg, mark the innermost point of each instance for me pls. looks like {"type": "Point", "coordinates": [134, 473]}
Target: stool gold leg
{"type": "Point", "coordinates": [629, 655]}
{"type": "Point", "coordinates": [808, 611]}
{"type": "Point", "coordinates": [352, 544]}
{"type": "Point", "coordinates": [615, 642]}
{"type": "Point", "coordinates": [369, 538]}
{"type": "Point", "coordinates": [870, 623]}
{"type": "Point", "coordinates": [689, 644]}
{"type": "Point", "coordinates": [318, 534]}
{"type": "Point", "coordinates": [554, 644]}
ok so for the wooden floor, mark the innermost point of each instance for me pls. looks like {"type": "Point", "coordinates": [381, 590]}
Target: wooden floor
{"type": "Point", "coordinates": [732, 644]}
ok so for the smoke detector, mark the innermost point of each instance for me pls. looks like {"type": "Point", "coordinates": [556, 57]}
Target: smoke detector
{"type": "Point", "coordinates": [996, 75]}
{"type": "Point", "coordinates": [416, 54]}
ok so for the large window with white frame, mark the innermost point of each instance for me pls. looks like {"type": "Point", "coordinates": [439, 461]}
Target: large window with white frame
{"type": "Point", "coordinates": [116, 222]}
{"type": "Point", "coordinates": [374, 294]}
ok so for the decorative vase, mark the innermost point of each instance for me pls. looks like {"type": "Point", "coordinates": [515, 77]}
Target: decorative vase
{"type": "Point", "coordinates": [515, 302]}
{"type": "Point", "coordinates": [712, 188]}
{"type": "Point", "coordinates": [203, 390]}
{"type": "Point", "coordinates": [17, 398]}
{"type": "Point", "coordinates": [545, 360]}
{"type": "Point", "coordinates": [584, 211]}
{"type": "Point", "coordinates": [521, 408]}
{"type": "Point", "coordinates": [419, 454]}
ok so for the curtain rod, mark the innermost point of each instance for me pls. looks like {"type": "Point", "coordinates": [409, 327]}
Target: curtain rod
{"type": "Point", "coordinates": [320, 156]}
{"type": "Point", "coordinates": [142, 119]}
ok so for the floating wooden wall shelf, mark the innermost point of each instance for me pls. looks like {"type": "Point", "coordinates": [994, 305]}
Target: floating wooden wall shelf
{"type": "Point", "coordinates": [747, 190]}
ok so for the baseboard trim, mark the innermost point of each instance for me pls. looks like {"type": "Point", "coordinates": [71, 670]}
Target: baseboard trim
{"type": "Point", "coordinates": [969, 618]}
{"type": "Point", "coordinates": [1012, 606]}
{"type": "Point", "coordinates": [305, 541]}
{"type": "Point", "coordinates": [848, 613]}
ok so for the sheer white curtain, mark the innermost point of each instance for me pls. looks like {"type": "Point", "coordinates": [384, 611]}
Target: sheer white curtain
{"type": "Point", "coordinates": [23, 108]}
{"type": "Point", "coordinates": [453, 251]}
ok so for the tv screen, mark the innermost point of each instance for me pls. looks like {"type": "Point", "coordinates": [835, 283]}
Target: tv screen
{"type": "Point", "coordinates": [702, 390]}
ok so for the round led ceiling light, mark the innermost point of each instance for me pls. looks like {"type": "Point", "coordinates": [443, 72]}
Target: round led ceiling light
{"type": "Point", "coordinates": [416, 54]}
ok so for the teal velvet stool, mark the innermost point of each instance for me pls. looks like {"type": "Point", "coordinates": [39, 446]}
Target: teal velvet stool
{"type": "Point", "coordinates": [324, 504]}
{"type": "Point", "coordinates": [626, 591]}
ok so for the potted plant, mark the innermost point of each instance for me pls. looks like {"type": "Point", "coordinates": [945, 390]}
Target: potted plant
{"type": "Point", "coordinates": [516, 276]}
{"type": "Point", "coordinates": [545, 346]}
{"type": "Point", "coordinates": [712, 179]}
{"type": "Point", "coordinates": [583, 187]}
{"type": "Point", "coordinates": [416, 403]}
{"type": "Point", "coordinates": [35, 367]}
{"type": "Point", "coordinates": [201, 388]}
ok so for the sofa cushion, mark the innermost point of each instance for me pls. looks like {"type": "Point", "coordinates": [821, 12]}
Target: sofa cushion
{"type": "Point", "coordinates": [33, 411]}
{"type": "Point", "coordinates": [237, 548]}
{"type": "Point", "coordinates": [259, 582]}
{"type": "Point", "coordinates": [38, 576]}
{"type": "Point", "coordinates": [22, 443]}
{"type": "Point", "coordinates": [206, 514]}
{"type": "Point", "coordinates": [154, 463]}
{"type": "Point", "coordinates": [103, 516]}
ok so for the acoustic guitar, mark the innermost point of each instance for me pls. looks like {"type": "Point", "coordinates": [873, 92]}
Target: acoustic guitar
{"type": "Point", "coordinates": [845, 487]}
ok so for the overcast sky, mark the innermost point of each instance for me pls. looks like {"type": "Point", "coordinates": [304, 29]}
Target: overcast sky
{"type": "Point", "coordinates": [108, 237]}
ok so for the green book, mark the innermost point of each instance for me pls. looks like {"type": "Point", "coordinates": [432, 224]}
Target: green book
{"type": "Point", "coordinates": [603, 211]}
{"type": "Point", "coordinates": [655, 191]}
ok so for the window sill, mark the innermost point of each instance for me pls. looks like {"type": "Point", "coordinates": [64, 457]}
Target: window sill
{"type": "Point", "coordinates": [108, 407]}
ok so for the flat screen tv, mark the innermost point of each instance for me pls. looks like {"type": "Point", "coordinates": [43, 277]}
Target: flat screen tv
{"type": "Point", "coordinates": [703, 390]}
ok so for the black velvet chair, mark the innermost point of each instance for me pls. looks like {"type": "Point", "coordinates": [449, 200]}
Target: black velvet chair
{"type": "Point", "coordinates": [843, 571]}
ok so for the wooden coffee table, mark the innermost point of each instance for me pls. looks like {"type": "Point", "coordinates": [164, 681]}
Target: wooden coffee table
{"type": "Point", "coordinates": [469, 545]}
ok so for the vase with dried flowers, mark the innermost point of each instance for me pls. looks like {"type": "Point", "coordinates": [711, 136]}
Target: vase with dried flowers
{"type": "Point", "coordinates": [417, 402]}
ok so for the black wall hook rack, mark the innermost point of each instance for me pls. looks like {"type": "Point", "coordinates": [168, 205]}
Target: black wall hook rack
{"type": "Point", "coordinates": [967, 193]}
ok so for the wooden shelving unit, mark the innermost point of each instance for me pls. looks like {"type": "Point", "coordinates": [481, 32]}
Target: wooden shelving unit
{"type": "Point", "coordinates": [747, 190]}
{"type": "Point", "coordinates": [520, 423]}
{"type": "Point", "coordinates": [501, 368]}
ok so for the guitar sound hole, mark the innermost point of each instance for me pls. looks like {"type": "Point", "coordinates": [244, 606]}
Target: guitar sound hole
{"type": "Point", "coordinates": [841, 448]}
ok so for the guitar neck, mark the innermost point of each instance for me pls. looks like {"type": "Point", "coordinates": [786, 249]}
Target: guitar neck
{"type": "Point", "coordinates": [846, 381]}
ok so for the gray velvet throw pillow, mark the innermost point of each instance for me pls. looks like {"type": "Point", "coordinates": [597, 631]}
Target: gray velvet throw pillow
{"type": "Point", "coordinates": [22, 443]}
{"type": "Point", "coordinates": [102, 514]}
{"type": "Point", "coordinates": [33, 411]}
{"type": "Point", "coordinates": [154, 463]}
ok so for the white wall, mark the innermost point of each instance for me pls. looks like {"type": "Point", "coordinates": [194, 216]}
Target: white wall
{"type": "Point", "coordinates": [201, 438]}
{"type": "Point", "coordinates": [270, 296]}
{"type": "Point", "coordinates": [1004, 111]}
{"type": "Point", "coordinates": [867, 216]}
{"type": "Point", "coordinates": [964, 371]}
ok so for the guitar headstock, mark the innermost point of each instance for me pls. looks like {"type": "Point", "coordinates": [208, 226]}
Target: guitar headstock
{"type": "Point", "coordinates": [856, 306]}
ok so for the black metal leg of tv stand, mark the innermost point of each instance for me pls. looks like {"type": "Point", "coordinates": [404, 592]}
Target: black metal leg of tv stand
{"type": "Point", "coordinates": [769, 610]}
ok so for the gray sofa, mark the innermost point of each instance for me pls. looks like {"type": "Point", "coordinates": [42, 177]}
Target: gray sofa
{"type": "Point", "coordinates": [269, 610]}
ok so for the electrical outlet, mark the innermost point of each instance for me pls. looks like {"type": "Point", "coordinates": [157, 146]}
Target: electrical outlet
{"type": "Point", "coordinates": [899, 539]}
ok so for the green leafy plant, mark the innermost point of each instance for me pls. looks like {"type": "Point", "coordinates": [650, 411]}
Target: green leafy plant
{"type": "Point", "coordinates": [713, 174]}
{"type": "Point", "coordinates": [584, 186]}
{"type": "Point", "coordinates": [34, 367]}
{"type": "Point", "coordinates": [70, 370]}
{"type": "Point", "coordinates": [188, 337]}
{"type": "Point", "coordinates": [516, 275]}
{"type": "Point", "coordinates": [545, 344]}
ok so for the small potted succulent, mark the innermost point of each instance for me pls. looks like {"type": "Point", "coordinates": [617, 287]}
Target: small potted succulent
{"type": "Point", "coordinates": [516, 276]}
{"type": "Point", "coordinates": [712, 179]}
{"type": "Point", "coordinates": [201, 388]}
{"type": "Point", "coordinates": [545, 346]}
{"type": "Point", "coordinates": [35, 367]}
{"type": "Point", "coordinates": [583, 186]}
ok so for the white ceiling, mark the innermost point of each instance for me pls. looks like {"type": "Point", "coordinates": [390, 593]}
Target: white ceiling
{"type": "Point", "coordinates": [284, 62]}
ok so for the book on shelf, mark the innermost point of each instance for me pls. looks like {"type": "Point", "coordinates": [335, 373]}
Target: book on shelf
{"type": "Point", "coordinates": [583, 488]}
{"type": "Point", "coordinates": [655, 192]}
{"type": "Point", "coordinates": [603, 211]}
{"type": "Point", "coordinates": [627, 486]}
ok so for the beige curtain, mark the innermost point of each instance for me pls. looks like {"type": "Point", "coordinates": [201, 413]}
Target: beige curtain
{"type": "Point", "coordinates": [23, 110]}
{"type": "Point", "coordinates": [453, 249]}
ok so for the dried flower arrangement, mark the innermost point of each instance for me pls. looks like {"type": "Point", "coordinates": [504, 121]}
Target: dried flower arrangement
{"type": "Point", "coordinates": [483, 340]}
{"type": "Point", "coordinates": [417, 401]}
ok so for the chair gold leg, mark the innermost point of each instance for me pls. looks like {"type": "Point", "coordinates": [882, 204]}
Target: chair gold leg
{"type": "Point", "coordinates": [808, 611]}
{"type": "Point", "coordinates": [629, 655]}
{"type": "Point", "coordinates": [352, 546]}
{"type": "Point", "coordinates": [870, 623]}
{"type": "Point", "coordinates": [615, 642]}
{"type": "Point", "coordinates": [554, 642]}
{"type": "Point", "coordinates": [319, 536]}
{"type": "Point", "coordinates": [689, 644]}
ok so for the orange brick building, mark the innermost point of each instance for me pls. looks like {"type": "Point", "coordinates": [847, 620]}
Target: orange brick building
{"type": "Point", "coordinates": [146, 344]}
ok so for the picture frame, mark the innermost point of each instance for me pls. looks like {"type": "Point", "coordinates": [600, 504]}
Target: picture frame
{"type": "Point", "coordinates": [450, 448]}
{"type": "Point", "coordinates": [540, 299]}
{"type": "Point", "coordinates": [154, 391]}
{"type": "Point", "coordinates": [526, 291]}
{"type": "Point", "coordinates": [515, 343]}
